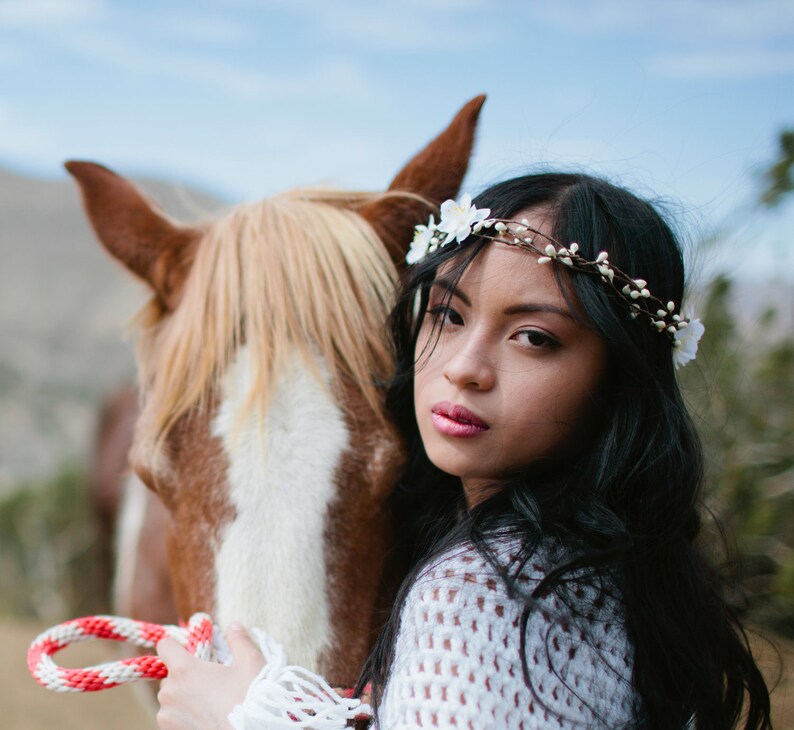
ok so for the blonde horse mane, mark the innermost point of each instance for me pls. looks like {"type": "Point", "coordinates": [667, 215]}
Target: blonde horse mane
{"type": "Point", "coordinates": [296, 272]}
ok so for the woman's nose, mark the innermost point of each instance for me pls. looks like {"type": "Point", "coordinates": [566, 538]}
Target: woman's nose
{"type": "Point", "coordinates": [467, 366]}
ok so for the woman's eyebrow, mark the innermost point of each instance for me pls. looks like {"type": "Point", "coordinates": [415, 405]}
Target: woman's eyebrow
{"type": "Point", "coordinates": [449, 286]}
{"type": "Point", "coordinates": [532, 308]}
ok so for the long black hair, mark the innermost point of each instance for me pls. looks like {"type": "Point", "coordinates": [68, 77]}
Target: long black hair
{"type": "Point", "coordinates": [629, 503]}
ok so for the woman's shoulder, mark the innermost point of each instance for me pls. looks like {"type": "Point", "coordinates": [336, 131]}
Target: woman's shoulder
{"type": "Point", "coordinates": [469, 564]}
{"type": "Point", "coordinates": [462, 625]}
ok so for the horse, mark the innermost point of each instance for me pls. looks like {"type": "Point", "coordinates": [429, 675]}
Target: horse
{"type": "Point", "coordinates": [131, 520]}
{"type": "Point", "coordinates": [262, 430]}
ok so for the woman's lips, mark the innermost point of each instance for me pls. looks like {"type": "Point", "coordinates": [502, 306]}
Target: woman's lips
{"type": "Point", "coordinates": [454, 420]}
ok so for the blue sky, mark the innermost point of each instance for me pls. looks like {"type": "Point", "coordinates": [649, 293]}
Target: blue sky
{"type": "Point", "coordinates": [681, 99]}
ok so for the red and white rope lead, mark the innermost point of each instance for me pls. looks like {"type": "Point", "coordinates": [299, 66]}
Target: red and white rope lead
{"type": "Point", "coordinates": [196, 637]}
{"type": "Point", "coordinates": [285, 692]}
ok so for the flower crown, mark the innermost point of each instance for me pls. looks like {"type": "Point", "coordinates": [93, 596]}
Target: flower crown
{"type": "Point", "coordinates": [460, 219]}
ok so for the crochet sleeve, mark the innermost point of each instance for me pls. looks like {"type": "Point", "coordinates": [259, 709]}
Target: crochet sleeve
{"type": "Point", "coordinates": [458, 663]}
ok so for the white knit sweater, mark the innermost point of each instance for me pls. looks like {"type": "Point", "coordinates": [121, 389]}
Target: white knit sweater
{"type": "Point", "coordinates": [457, 660]}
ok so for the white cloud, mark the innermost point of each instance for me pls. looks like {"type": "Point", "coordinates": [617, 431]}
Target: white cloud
{"type": "Point", "coordinates": [21, 138]}
{"type": "Point", "coordinates": [329, 77]}
{"type": "Point", "coordinates": [688, 38]}
{"type": "Point", "coordinates": [335, 77]}
{"type": "Point", "coordinates": [288, 156]}
{"type": "Point", "coordinates": [393, 25]}
{"type": "Point", "coordinates": [724, 64]}
{"type": "Point", "coordinates": [579, 16]}
{"type": "Point", "coordinates": [32, 14]}
{"type": "Point", "coordinates": [212, 30]}
{"type": "Point", "coordinates": [201, 69]}
{"type": "Point", "coordinates": [673, 19]}
{"type": "Point", "coordinates": [738, 19]}
{"type": "Point", "coordinates": [10, 54]}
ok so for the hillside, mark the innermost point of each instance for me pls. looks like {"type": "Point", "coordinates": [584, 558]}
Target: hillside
{"type": "Point", "coordinates": [64, 305]}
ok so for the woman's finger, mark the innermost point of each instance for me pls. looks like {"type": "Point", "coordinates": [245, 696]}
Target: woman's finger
{"type": "Point", "coordinates": [244, 651]}
{"type": "Point", "coordinates": [171, 652]}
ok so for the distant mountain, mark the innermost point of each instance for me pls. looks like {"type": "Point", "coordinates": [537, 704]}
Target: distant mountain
{"type": "Point", "coordinates": [64, 305]}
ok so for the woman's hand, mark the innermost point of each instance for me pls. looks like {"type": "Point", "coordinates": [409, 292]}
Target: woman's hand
{"type": "Point", "coordinates": [198, 695]}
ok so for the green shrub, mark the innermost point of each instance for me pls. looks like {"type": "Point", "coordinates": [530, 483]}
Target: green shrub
{"type": "Point", "coordinates": [741, 393]}
{"type": "Point", "coordinates": [49, 551]}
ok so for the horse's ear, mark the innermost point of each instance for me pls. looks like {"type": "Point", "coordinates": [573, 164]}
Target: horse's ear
{"type": "Point", "coordinates": [135, 231]}
{"type": "Point", "coordinates": [436, 174]}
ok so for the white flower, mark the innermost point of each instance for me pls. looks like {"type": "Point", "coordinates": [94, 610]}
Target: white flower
{"type": "Point", "coordinates": [459, 217]}
{"type": "Point", "coordinates": [685, 342]}
{"type": "Point", "coordinates": [422, 243]}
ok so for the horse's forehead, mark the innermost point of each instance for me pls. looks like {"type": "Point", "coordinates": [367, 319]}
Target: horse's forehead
{"type": "Point", "coordinates": [301, 413]}
{"type": "Point", "coordinates": [302, 426]}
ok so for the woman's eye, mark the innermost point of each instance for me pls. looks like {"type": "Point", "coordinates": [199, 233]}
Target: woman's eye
{"type": "Point", "coordinates": [444, 314]}
{"type": "Point", "coordinates": [535, 339]}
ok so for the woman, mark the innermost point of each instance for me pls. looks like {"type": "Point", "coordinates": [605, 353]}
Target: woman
{"type": "Point", "coordinates": [552, 489]}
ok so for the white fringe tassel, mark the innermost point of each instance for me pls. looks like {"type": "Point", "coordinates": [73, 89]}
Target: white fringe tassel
{"type": "Point", "coordinates": [290, 697]}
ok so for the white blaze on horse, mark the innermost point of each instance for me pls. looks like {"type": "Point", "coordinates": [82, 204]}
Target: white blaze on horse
{"type": "Point", "coordinates": [262, 429]}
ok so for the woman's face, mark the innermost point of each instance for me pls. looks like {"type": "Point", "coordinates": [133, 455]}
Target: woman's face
{"type": "Point", "coordinates": [505, 375]}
